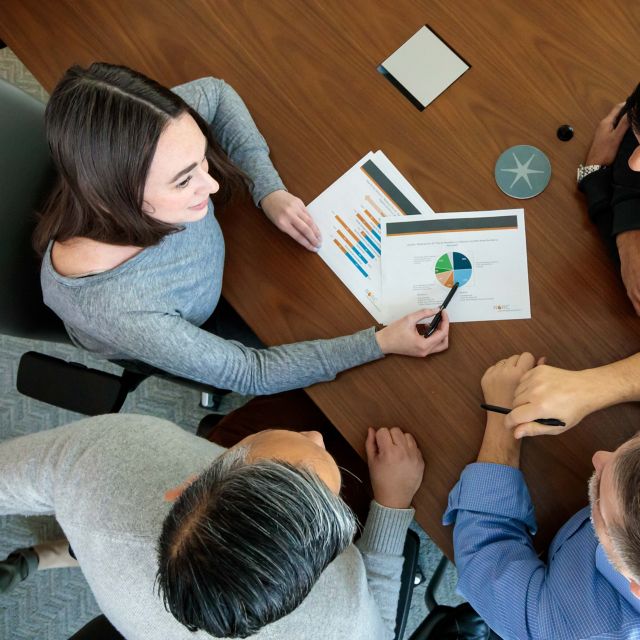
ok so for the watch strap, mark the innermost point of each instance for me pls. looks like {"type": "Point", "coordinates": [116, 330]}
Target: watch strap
{"type": "Point", "coordinates": [585, 170]}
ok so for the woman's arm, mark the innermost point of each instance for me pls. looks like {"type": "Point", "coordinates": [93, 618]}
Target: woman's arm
{"type": "Point", "coordinates": [237, 133]}
{"type": "Point", "coordinates": [234, 129]}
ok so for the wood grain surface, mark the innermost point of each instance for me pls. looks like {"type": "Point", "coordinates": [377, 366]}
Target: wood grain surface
{"type": "Point", "coordinates": [307, 71]}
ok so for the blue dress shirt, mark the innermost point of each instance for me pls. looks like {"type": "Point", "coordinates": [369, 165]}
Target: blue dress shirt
{"type": "Point", "coordinates": [575, 594]}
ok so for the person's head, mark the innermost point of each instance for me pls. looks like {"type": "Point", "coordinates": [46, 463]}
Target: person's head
{"type": "Point", "coordinates": [614, 494]}
{"type": "Point", "coordinates": [632, 109]}
{"type": "Point", "coordinates": [246, 541]}
{"type": "Point", "coordinates": [133, 160]}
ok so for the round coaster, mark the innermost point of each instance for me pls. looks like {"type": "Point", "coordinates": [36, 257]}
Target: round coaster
{"type": "Point", "coordinates": [523, 171]}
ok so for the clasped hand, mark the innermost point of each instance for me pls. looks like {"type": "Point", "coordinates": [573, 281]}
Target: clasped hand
{"type": "Point", "coordinates": [607, 138]}
{"type": "Point", "coordinates": [535, 390]}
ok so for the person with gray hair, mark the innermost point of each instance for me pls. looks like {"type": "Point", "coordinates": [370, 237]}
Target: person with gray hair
{"type": "Point", "coordinates": [180, 538]}
{"type": "Point", "coordinates": [588, 585]}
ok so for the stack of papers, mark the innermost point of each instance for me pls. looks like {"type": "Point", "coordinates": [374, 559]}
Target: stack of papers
{"type": "Point", "coordinates": [396, 255]}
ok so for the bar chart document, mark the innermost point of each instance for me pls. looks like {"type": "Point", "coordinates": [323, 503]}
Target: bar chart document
{"type": "Point", "coordinates": [349, 214]}
{"type": "Point", "coordinates": [484, 252]}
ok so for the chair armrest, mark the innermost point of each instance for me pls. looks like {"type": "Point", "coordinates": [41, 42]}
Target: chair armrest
{"type": "Point", "coordinates": [70, 385]}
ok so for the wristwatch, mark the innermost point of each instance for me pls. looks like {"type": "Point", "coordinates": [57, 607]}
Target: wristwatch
{"type": "Point", "coordinates": [585, 170]}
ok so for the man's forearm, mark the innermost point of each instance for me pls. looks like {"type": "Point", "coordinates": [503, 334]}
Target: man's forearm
{"type": "Point", "coordinates": [498, 445]}
{"type": "Point", "coordinates": [615, 383]}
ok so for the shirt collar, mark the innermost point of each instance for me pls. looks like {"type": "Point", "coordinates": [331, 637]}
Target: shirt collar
{"type": "Point", "coordinates": [615, 578]}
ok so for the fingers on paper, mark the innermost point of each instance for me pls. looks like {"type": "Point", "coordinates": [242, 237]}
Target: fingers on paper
{"type": "Point", "coordinates": [301, 238]}
{"type": "Point", "coordinates": [304, 224]}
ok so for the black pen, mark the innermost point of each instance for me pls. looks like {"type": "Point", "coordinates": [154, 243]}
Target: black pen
{"type": "Point", "coordinates": [550, 422]}
{"type": "Point", "coordinates": [435, 323]}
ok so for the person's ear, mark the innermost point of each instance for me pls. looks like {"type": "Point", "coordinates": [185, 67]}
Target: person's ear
{"type": "Point", "coordinates": [634, 160]}
{"type": "Point", "coordinates": [635, 588]}
{"type": "Point", "coordinates": [176, 492]}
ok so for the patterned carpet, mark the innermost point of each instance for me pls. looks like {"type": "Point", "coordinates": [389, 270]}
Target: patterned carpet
{"type": "Point", "coordinates": [52, 605]}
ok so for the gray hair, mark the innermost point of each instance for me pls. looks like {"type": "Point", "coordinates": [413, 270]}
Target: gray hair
{"type": "Point", "coordinates": [625, 535]}
{"type": "Point", "coordinates": [245, 543]}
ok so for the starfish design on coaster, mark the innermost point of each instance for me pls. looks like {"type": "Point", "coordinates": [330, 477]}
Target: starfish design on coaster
{"type": "Point", "coordinates": [522, 171]}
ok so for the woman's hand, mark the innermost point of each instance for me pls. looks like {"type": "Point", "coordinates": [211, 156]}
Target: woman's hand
{"type": "Point", "coordinates": [402, 336]}
{"type": "Point", "coordinates": [290, 215]}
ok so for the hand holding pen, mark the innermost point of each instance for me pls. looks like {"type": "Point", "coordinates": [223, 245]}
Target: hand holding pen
{"type": "Point", "coordinates": [550, 422]}
{"type": "Point", "coordinates": [402, 337]}
{"type": "Point", "coordinates": [429, 329]}
{"type": "Point", "coordinates": [500, 385]}
{"type": "Point", "coordinates": [549, 391]}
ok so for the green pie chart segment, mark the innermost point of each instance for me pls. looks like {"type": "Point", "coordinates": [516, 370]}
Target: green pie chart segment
{"type": "Point", "coordinates": [453, 267]}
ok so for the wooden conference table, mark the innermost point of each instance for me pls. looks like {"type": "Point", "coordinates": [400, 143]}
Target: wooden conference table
{"type": "Point", "coordinates": [307, 71]}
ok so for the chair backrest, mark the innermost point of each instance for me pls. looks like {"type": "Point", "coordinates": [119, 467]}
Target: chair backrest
{"type": "Point", "coordinates": [26, 175]}
{"type": "Point", "coordinates": [97, 629]}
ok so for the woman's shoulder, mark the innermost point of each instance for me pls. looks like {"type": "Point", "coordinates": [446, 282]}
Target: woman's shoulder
{"type": "Point", "coordinates": [202, 95]}
{"type": "Point", "coordinates": [80, 257]}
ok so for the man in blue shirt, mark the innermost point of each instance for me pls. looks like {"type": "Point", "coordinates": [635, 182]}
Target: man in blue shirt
{"type": "Point", "coordinates": [590, 585]}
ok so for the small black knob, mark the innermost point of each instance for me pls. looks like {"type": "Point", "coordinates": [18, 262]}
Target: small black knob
{"type": "Point", "coordinates": [565, 132]}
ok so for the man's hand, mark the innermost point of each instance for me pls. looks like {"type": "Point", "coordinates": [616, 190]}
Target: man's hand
{"type": "Point", "coordinates": [606, 139]}
{"type": "Point", "coordinates": [500, 381]}
{"type": "Point", "coordinates": [290, 215]}
{"type": "Point", "coordinates": [629, 252]}
{"type": "Point", "coordinates": [402, 336]}
{"type": "Point", "coordinates": [396, 467]}
{"type": "Point", "coordinates": [498, 385]}
{"type": "Point", "coordinates": [548, 392]}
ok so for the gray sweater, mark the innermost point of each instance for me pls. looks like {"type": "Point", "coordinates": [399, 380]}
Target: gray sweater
{"type": "Point", "coordinates": [150, 308]}
{"type": "Point", "coordinates": [105, 478]}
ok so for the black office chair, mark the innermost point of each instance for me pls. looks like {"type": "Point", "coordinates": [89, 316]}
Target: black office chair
{"type": "Point", "coordinates": [450, 623]}
{"type": "Point", "coordinates": [411, 575]}
{"type": "Point", "coordinates": [97, 629]}
{"type": "Point", "coordinates": [26, 175]}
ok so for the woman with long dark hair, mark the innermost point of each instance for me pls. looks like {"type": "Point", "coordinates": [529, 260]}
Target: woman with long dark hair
{"type": "Point", "coordinates": [132, 252]}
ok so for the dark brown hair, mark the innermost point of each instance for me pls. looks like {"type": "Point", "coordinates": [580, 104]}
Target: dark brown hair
{"type": "Point", "coordinates": [103, 124]}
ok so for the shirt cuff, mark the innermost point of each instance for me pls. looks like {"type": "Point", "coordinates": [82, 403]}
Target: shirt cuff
{"type": "Point", "coordinates": [263, 187]}
{"type": "Point", "coordinates": [386, 529]}
{"type": "Point", "coordinates": [494, 489]}
{"type": "Point", "coordinates": [596, 182]}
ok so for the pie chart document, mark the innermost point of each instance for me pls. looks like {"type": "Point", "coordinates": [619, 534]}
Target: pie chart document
{"type": "Point", "coordinates": [484, 252]}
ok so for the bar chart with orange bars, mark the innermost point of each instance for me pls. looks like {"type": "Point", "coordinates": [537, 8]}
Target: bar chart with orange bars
{"type": "Point", "coordinates": [348, 214]}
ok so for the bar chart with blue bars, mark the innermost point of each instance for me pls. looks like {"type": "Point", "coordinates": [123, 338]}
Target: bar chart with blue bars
{"type": "Point", "coordinates": [348, 215]}
{"type": "Point", "coordinates": [359, 242]}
